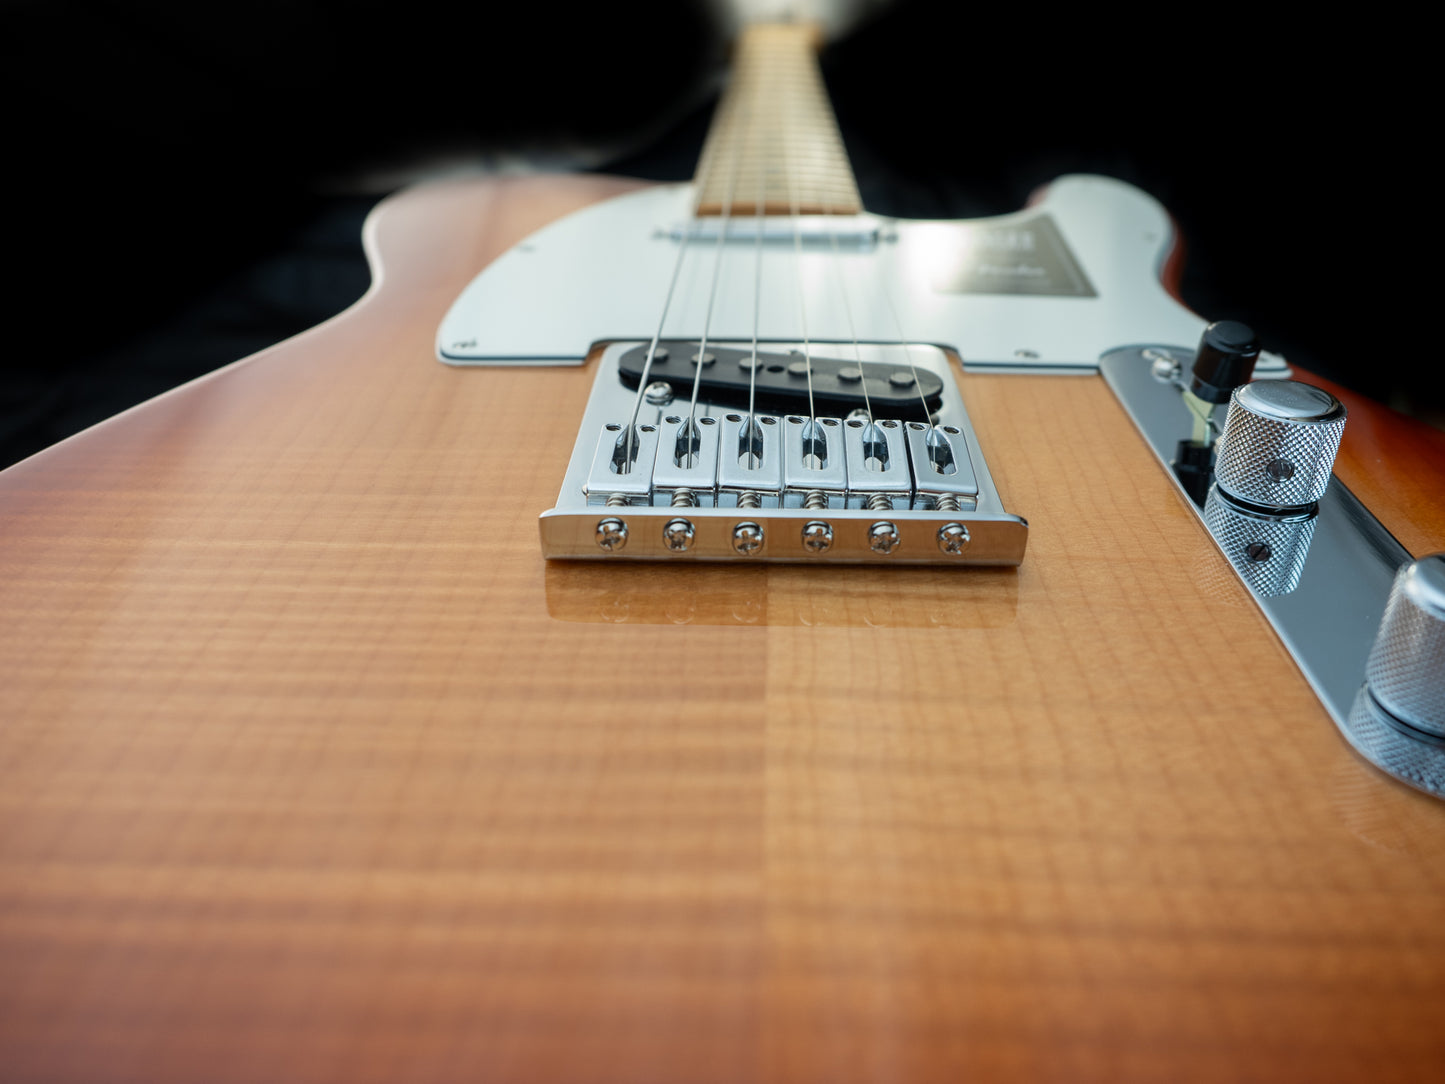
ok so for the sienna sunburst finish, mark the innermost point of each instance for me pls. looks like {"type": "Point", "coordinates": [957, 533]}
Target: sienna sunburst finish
{"type": "Point", "coordinates": [311, 769]}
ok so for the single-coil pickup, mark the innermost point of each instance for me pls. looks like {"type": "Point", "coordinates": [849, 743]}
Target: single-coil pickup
{"type": "Point", "coordinates": [778, 383]}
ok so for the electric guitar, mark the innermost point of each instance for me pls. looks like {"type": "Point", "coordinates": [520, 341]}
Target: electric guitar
{"type": "Point", "coordinates": [367, 717]}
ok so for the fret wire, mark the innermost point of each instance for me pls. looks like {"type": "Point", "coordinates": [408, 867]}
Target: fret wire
{"type": "Point", "coordinates": [779, 59]}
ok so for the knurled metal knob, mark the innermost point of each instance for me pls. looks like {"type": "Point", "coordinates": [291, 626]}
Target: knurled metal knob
{"type": "Point", "coordinates": [1268, 550]}
{"type": "Point", "coordinates": [1406, 669]}
{"type": "Point", "coordinates": [1279, 443]}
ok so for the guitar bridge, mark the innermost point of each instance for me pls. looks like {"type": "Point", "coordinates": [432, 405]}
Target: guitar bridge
{"type": "Point", "coordinates": [721, 484]}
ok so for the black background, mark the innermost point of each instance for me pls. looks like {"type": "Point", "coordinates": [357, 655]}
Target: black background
{"type": "Point", "coordinates": [187, 182]}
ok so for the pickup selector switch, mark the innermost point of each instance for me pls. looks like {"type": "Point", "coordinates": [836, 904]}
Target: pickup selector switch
{"type": "Point", "coordinates": [1279, 443]}
{"type": "Point", "coordinates": [1225, 360]}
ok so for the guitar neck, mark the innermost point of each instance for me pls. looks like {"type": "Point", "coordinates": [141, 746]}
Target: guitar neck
{"type": "Point", "coordinates": [774, 144]}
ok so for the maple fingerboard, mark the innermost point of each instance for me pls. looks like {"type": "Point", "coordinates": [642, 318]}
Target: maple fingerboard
{"type": "Point", "coordinates": [774, 144]}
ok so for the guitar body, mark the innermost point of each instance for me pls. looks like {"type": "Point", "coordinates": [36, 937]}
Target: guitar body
{"type": "Point", "coordinates": [312, 769]}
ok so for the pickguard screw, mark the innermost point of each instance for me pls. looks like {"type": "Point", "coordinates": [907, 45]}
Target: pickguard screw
{"type": "Point", "coordinates": [611, 534]}
{"type": "Point", "coordinates": [952, 538]}
{"type": "Point", "coordinates": [658, 393]}
{"type": "Point", "coordinates": [748, 538]}
{"type": "Point", "coordinates": [883, 537]}
{"type": "Point", "coordinates": [678, 534]}
{"type": "Point", "coordinates": [817, 536]}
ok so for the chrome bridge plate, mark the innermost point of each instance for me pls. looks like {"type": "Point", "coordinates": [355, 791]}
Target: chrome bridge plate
{"type": "Point", "coordinates": [924, 495]}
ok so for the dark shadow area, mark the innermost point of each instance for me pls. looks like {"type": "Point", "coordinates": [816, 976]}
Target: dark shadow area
{"type": "Point", "coordinates": [188, 182]}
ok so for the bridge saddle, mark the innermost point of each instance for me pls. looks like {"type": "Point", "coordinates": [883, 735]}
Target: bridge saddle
{"type": "Point", "coordinates": [718, 483]}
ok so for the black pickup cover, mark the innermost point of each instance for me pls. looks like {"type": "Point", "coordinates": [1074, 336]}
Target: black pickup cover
{"type": "Point", "coordinates": [782, 385]}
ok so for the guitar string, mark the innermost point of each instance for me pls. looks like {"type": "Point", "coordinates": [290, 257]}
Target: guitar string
{"type": "Point", "coordinates": [904, 342]}
{"type": "Point", "coordinates": [811, 430]}
{"type": "Point", "coordinates": [848, 311]}
{"type": "Point", "coordinates": [752, 435]}
{"type": "Point", "coordinates": [631, 436]}
{"type": "Point", "coordinates": [689, 435]}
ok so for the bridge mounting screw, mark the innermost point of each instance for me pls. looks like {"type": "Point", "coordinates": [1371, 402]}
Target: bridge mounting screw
{"type": "Point", "coordinates": [748, 538]}
{"type": "Point", "coordinates": [658, 393]}
{"type": "Point", "coordinates": [678, 534]}
{"type": "Point", "coordinates": [611, 534]}
{"type": "Point", "coordinates": [883, 537]}
{"type": "Point", "coordinates": [952, 538]}
{"type": "Point", "coordinates": [817, 536]}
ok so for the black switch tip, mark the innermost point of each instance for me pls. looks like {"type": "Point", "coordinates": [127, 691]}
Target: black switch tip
{"type": "Point", "coordinates": [1226, 357]}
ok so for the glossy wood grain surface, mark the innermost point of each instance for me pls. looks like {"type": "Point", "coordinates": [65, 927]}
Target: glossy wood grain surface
{"type": "Point", "coordinates": [1395, 464]}
{"type": "Point", "coordinates": [312, 770]}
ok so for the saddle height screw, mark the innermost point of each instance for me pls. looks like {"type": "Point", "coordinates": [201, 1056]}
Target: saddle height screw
{"type": "Point", "coordinates": [817, 536]}
{"type": "Point", "coordinates": [611, 534]}
{"type": "Point", "coordinates": [952, 538]}
{"type": "Point", "coordinates": [678, 535]}
{"type": "Point", "coordinates": [748, 538]}
{"type": "Point", "coordinates": [883, 537]}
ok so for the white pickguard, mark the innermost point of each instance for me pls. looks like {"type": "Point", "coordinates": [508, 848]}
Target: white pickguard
{"type": "Point", "coordinates": [602, 273]}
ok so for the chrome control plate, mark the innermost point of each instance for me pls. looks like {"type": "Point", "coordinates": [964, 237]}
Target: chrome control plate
{"type": "Point", "coordinates": [891, 507]}
{"type": "Point", "coordinates": [1322, 581]}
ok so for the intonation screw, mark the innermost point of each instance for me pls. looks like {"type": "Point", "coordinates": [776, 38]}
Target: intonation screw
{"type": "Point", "coordinates": [659, 392]}
{"type": "Point", "coordinates": [747, 538]}
{"type": "Point", "coordinates": [611, 534]}
{"type": "Point", "coordinates": [817, 536]}
{"type": "Point", "coordinates": [952, 538]}
{"type": "Point", "coordinates": [678, 535]}
{"type": "Point", "coordinates": [883, 537]}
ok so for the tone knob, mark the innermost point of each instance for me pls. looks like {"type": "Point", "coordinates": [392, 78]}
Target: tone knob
{"type": "Point", "coordinates": [1279, 443]}
{"type": "Point", "coordinates": [1406, 669]}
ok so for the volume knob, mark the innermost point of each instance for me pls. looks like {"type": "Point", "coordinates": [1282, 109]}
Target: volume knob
{"type": "Point", "coordinates": [1406, 668]}
{"type": "Point", "coordinates": [1279, 443]}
